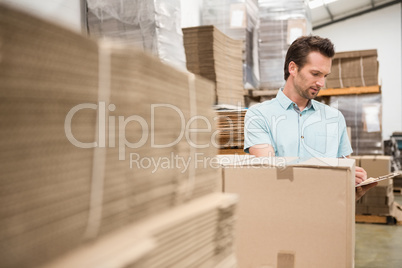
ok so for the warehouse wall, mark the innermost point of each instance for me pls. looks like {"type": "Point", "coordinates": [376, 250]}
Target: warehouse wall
{"type": "Point", "coordinates": [191, 13]}
{"type": "Point", "coordinates": [66, 13]}
{"type": "Point", "coordinates": [379, 30]}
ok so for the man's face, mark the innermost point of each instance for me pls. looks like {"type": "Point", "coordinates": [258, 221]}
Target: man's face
{"type": "Point", "coordinates": [311, 78]}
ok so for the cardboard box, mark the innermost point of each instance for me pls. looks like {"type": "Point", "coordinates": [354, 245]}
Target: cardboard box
{"type": "Point", "coordinates": [357, 159]}
{"type": "Point", "coordinates": [377, 165]}
{"type": "Point", "coordinates": [398, 181]}
{"type": "Point", "coordinates": [361, 210]}
{"type": "Point", "coordinates": [380, 210]}
{"type": "Point", "coordinates": [379, 200]}
{"type": "Point", "coordinates": [291, 211]}
{"type": "Point", "coordinates": [381, 190]}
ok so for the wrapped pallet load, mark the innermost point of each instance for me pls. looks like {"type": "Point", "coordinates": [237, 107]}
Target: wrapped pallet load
{"type": "Point", "coordinates": [363, 114]}
{"type": "Point", "coordinates": [152, 25]}
{"type": "Point", "coordinates": [281, 22]}
{"type": "Point", "coordinates": [238, 19]}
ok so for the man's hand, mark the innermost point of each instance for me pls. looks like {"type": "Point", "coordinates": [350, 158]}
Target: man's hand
{"type": "Point", "coordinates": [360, 175]}
{"type": "Point", "coordinates": [360, 191]}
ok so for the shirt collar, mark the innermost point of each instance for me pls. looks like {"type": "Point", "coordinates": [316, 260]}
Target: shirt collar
{"type": "Point", "coordinates": [285, 102]}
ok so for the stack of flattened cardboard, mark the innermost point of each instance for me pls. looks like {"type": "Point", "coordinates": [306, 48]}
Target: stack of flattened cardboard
{"type": "Point", "coordinates": [94, 137]}
{"type": "Point", "coordinates": [380, 199]}
{"type": "Point", "coordinates": [153, 25]}
{"type": "Point", "coordinates": [230, 128]}
{"type": "Point", "coordinates": [293, 214]}
{"type": "Point", "coordinates": [186, 236]}
{"type": "Point", "coordinates": [215, 56]}
{"type": "Point", "coordinates": [354, 69]}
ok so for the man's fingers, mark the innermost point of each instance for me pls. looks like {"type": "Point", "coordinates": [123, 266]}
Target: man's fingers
{"type": "Point", "coordinates": [360, 175]}
{"type": "Point", "coordinates": [358, 180]}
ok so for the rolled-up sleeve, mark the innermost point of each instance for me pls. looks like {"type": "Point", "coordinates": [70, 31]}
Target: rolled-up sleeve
{"type": "Point", "coordinates": [256, 130]}
{"type": "Point", "coordinates": [344, 148]}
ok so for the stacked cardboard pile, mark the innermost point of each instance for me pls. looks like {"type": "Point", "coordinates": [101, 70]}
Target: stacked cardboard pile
{"type": "Point", "coordinates": [230, 128]}
{"type": "Point", "coordinates": [281, 22]}
{"type": "Point", "coordinates": [215, 56]}
{"type": "Point", "coordinates": [380, 199]}
{"type": "Point", "coordinates": [354, 69]}
{"type": "Point", "coordinates": [86, 150]}
{"type": "Point", "coordinates": [293, 214]}
{"type": "Point", "coordinates": [398, 184]}
{"type": "Point", "coordinates": [363, 115]}
{"type": "Point", "coordinates": [238, 20]}
{"type": "Point", "coordinates": [152, 25]}
{"type": "Point", "coordinates": [186, 236]}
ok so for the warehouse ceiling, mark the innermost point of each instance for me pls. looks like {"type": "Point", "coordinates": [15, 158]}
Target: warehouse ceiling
{"type": "Point", "coordinates": [326, 12]}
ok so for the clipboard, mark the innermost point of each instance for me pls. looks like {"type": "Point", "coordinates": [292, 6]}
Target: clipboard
{"type": "Point", "coordinates": [381, 178]}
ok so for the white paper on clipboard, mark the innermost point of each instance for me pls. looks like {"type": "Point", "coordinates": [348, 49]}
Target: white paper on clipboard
{"type": "Point", "coordinates": [372, 180]}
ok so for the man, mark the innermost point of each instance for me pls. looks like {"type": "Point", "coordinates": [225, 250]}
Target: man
{"type": "Point", "coordinates": [293, 124]}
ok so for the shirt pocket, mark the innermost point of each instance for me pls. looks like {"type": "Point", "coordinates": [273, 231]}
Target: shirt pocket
{"type": "Point", "coordinates": [326, 143]}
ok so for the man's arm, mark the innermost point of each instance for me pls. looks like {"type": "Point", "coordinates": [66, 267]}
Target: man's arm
{"type": "Point", "coordinates": [261, 150]}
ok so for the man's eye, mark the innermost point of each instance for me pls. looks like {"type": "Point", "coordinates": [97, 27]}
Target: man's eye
{"type": "Point", "coordinates": [315, 74]}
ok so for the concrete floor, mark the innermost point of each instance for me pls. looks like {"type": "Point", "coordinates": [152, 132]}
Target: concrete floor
{"type": "Point", "coordinates": [379, 245]}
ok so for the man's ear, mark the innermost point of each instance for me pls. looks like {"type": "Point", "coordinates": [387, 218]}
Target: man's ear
{"type": "Point", "coordinates": [292, 68]}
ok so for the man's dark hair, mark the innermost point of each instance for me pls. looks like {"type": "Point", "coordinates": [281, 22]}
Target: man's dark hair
{"type": "Point", "coordinates": [302, 46]}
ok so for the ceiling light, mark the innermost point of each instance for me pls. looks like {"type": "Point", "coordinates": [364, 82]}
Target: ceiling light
{"type": "Point", "coordinates": [317, 3]}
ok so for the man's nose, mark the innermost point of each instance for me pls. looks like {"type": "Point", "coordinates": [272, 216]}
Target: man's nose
{"type": "Point", "coordinates": [321, 82]}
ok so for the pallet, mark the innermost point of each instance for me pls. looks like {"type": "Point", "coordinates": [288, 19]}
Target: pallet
{"type": "Point", "coordinates": [386, 219]}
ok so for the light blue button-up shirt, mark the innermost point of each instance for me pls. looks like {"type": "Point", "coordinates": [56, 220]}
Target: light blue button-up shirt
{"type": "Point", "coordinates": [317, 131]}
